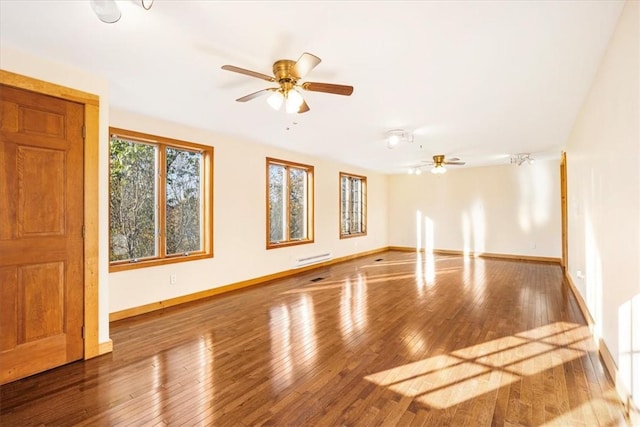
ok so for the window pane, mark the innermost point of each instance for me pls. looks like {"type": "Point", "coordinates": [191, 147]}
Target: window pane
{"type": "Point", "coordinates": [344, 211]}
{"type": "Point", "coordinates": [353, 195]}
{"type": "Point", "coordinates": [355, 205]}
{"type": "Point", "coordinates": [277, 200]}
{"type": "Point", "coordinates": [132, 203]}
{"type": "Point", "coordinates": [183, 201]}
{"type": "Point", "coordinates": [297, 204]}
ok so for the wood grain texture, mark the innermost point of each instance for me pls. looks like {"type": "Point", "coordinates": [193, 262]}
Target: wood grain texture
{"type": "Point", "coordinates": [552, 260]}
{"type": "Point", "coordinates": [91, 104]}
{"type": "Point", "coordinates": [394, 338]}
{"type": "Point", "coordinates": [41, 159]}
{"type": "Point", "coordinates": [40, 86]}
{"type": "Point", "coordinates": [92, 232]}
{"type": "Point", "coordinates": [147, 308]}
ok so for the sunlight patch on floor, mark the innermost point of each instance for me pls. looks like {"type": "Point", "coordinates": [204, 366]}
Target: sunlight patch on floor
{"type": "Point", "coordinates": [449, 379]}
{"type": "Point", "coordinates": [606, 411]}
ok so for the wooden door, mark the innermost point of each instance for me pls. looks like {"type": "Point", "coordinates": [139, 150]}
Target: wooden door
{"type": "Point", "coordinates": [41, 232]}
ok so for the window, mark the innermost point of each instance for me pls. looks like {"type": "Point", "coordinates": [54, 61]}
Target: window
{"type": "Point", "coordinates": [353, 205]}
{"type": "Point", "coordinates": [289, 203]}
{"type": "Point", "coordinates": [160, 200]}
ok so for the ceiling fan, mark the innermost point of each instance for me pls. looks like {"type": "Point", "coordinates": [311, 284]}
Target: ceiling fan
{"type": "Point", "coordinates": [287, 74]}
{"type": "Point", "coordinates": [438, 164]}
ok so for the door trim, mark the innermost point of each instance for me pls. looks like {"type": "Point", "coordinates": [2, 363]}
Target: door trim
{"type": "Point", "coordinates": [563, 200]}
{"type": "Point", "coordinates": [91, 104]}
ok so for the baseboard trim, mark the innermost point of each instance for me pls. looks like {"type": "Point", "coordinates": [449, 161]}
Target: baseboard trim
{"type": "Point", "coordinates": [583, 306]}
{"type": "Point", "coordinates": [630, 408]}
{"type": "Point", "coordinates": [549, 260]}
{"type": "Point", "coordinates": [105, 347]}
{"type": "Point", "coordinates": [148, 308]}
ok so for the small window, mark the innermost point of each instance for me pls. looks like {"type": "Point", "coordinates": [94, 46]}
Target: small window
{"type": "Point", "coordinates": [353, 205]}
{"type": "Point", "coordinates": [289, 203]}
{"type": "Point", "coordinates": [160, 200]}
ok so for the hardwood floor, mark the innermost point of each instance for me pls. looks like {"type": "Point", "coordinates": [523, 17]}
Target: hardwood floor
{"type": "Point", "coordinates": [392, 339]}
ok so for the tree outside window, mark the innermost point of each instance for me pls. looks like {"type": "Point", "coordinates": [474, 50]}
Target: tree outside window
{"type": "Point", "coordinates": [289, 203]}
{"type": "Point", "coordinates": [353, 205]}
{"type": "Point", "coordinates": [161, 201]}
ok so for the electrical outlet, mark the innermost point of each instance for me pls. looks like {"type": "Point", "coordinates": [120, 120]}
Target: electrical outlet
{"type": "Point", "coordinates": [533, 245]}
{"type": "Point", "coordinates": [173, 279]}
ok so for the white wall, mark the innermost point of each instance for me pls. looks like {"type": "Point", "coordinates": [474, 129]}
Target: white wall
{"type": "Point", "coordinates": [239, 203]}
{"type": "Point", "coordinates": [64, 75]}
{"type": "Point", "coordinates": [503, 209]}
{"type": "Point", "coordinates": [603, 158]}
{"type": "Point", "coordinates": [240, 218]}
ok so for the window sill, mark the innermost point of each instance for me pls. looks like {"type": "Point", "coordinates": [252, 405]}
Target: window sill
{"type": "Point", "coordinates": [290, 243]}
{"type": "Point", "coordinates": [349, 236]}
{"type": "Point", "coordinates": [123, 266]}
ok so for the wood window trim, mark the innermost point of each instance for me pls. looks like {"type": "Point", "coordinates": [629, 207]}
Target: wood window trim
{"type": "Point", "coordinates": [363, 179]}
{"type": "Point", "coordinates": [207, 202]}
{"type": "Point", "coordinates": [91, 102]}
{"type": "Point", "coordinates": [310, 203]}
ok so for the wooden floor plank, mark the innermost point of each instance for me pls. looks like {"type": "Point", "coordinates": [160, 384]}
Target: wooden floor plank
{"type": "Point", "coordinates": [408, 340]}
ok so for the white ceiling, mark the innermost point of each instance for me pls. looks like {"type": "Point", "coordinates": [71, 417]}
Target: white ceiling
{"type": "Point", "coordinates": [479, 80]}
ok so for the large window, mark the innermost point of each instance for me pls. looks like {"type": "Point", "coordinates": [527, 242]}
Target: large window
{"type": "Point", "coordinates": [161, 200]}
{"type": "Point", "coordinates": [289, 203]}
{"type": "Point", "coordinates": [353, 205]}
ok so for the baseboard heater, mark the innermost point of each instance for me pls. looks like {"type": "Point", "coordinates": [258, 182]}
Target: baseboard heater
{"type": "Point", "coordinates": [300, 262]}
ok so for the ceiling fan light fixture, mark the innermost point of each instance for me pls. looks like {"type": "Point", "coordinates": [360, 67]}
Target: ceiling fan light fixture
{"type": "Point", "coordinates": [438, 169]}
{"type": "Point", "coordinates": [275, 100]}
{"type": "Point", "coordinates": [106, 10]}
{"type": "Point", "coordinates": [294, 101]}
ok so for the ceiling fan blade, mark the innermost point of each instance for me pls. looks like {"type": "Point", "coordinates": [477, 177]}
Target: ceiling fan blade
{"type": "Point", "coordinates": [248, 72]}
{"type": "Point", "coordinates": [328, 88]}
{"type": "Point", "coordinates": [454, 163]}
{"type": "Point", "coordinates": [256, 94]}
{"type": "Point", "coordinates": [303, 107]}
{"type": "Point", "coordinates": [305, 63]}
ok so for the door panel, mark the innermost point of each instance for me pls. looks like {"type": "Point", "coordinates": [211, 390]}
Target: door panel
{"type": "Point", "coordinates": [40, 183]}
{"type": "Point", "coordinates": [41, 243]}
{"type": "Point", "coordinates": [41, 298]}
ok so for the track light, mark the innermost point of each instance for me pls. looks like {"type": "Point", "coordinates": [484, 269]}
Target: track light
{"type": "Point", "coordinates": [396, 136]}
{"type": "Point", "coordinates": [109, 12]}
{"type": "Point", "coordinates": [106, 10]}
{"type": "Point", "coordinates": [393, 140]}
{"type": "Point", "coordinates": [519, 159]}
{"type": "Point", "coordinates": [145, 4]}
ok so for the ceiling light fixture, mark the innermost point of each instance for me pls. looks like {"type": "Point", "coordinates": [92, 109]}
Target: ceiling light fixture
{"type": "Point", "coordinates": [521, 158]}
{"type": "Point", "coordinates": [109, 12]}
{"type": "Point", "coordinates": [438, 163]}
{"type": "Point", "coordinates": [293, 102]}
{"type": "Point", "coordinates": [396, 136]}
{"type": "Point", "coordinates": [291, 98]}
{"type": "Point", "coordinates": [145, 4]}
{"type": "Point", "coordinates": [438, 169]}
{"type": "Point", "coordinates": [275, 100]}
